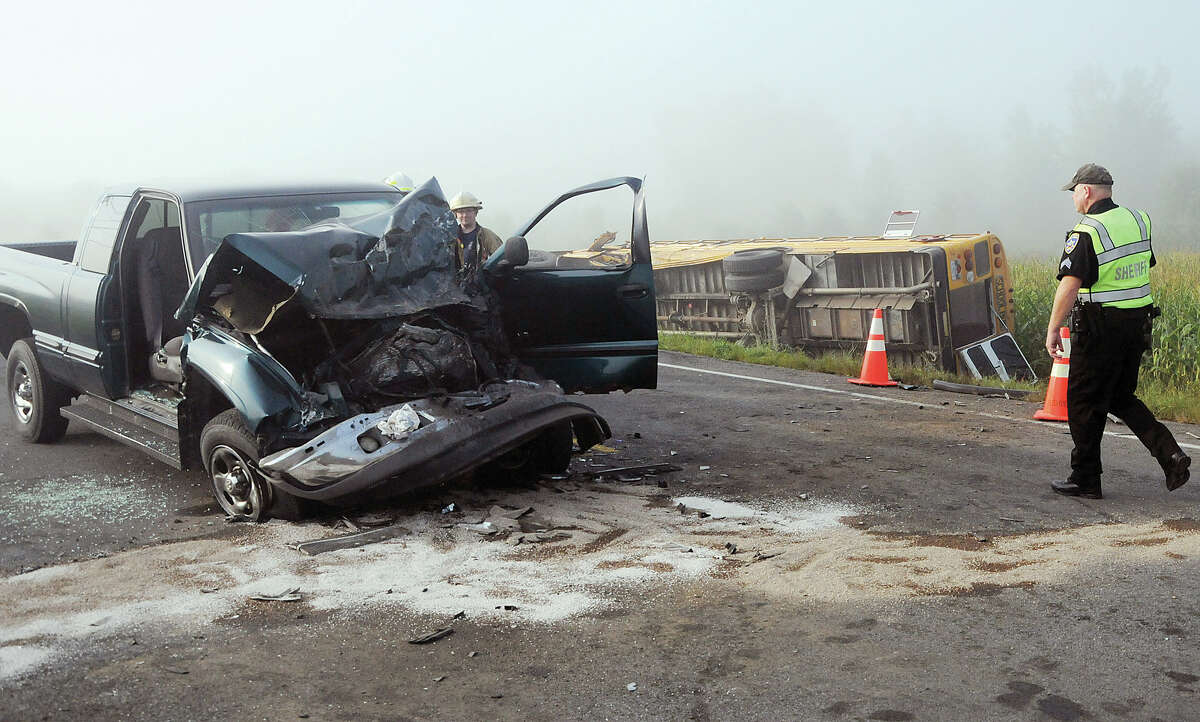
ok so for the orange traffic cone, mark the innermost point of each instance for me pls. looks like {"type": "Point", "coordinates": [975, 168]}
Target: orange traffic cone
{"type": "Point", "coordinates": [1055, 406]}
{"type": "Point", "coordinates": [874, 369]}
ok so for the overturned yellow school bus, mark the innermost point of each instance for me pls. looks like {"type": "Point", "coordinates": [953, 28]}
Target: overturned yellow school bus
{"type": "Point", "coordinates": [947, 300]}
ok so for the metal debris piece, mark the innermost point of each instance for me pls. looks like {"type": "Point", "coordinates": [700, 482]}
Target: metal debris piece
{"type": "Point", "coordinates": [433, 636]}
{"type": "Point", "coordinates": [731, 547]}
{"type": "Point", "coordinates": [705, 468]}
{"type": "Point", "coordinates": [632, 686]}
{"type": "Point", "coordinates": [760, 555]}
{"type": "Point", "coordinates": [173, 670]}
{"type": "Point", "coordinates": [804, 497]}
{"type": "Point", "coordinates": [461, 613]}
{"type": "Point", "coordinates": [349, 524]}
{"type": "Point", "coordinates": [449, 508]}
{"type": "Point", "coordinates": [287, 595]}
{"type": "Point", "coordinates": [439, 679]}
{"type": "Point", "coordinates": [349, 541]}
{"type": "Point", "coordinates": [682, 509]}
{"type": "Point", "coordinates": [642, 469]}
{"type": "Point", "coordinates": [473, 654]}
{"type": "Point", "coordinates": [507, 514]}
{"type": "Point", "coordinates": [376, 519]}
{"type": "Point", "coordinates": [507, 607]}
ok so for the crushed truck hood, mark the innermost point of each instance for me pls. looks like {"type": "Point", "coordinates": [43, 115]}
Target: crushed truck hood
{"type": "Point", "coordinates": [394, 263]}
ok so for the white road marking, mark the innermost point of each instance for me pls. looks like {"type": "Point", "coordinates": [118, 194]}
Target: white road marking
{"type": "Point", "coordinates": [873, 397]}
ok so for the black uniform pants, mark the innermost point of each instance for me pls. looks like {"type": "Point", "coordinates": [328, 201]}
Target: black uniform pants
{"type": "Point", "coordinates": [1103, 378]}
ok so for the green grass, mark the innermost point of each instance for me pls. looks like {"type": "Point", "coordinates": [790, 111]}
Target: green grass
{"type": "Point", "coordinates": [841, 363]}
{"type": "Point", "coordinates": [1170, 378]}
{"type": "Point", "coordinates": [1170, 375]}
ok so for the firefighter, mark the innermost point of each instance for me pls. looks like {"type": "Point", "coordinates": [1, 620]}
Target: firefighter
{"type": "Point", "coordinates": [1104, 283]}
{"type": "Point", "coordinates": [474, 243]}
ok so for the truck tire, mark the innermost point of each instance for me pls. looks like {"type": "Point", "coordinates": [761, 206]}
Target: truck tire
{"type": "Point", "coordinates": [230, 455]}
{"type": "Point", "coordinates": [753, 263]}
{"type": "Point", "coordinates": [33, 397]}
{"type": "Point", "coordinates": [758, 282]}
{"type": "Point", "coordinates": [555, 446]}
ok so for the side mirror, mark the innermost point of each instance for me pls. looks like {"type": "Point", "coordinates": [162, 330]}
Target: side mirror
{"type": "Point", "coordinates": [516, 252]}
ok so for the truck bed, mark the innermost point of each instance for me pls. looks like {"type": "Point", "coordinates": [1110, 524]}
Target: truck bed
{"type": "Point", "coordinates": [58, 250]}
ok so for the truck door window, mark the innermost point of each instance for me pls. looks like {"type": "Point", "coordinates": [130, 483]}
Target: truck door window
{"type": "Point", "coordinates": [101, 234]}
{"type": "Point", "coordinates": [587, 231]}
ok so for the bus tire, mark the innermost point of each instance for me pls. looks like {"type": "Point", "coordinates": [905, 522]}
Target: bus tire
{"type": "Point", "coordinates": [736, 282]}
{"type": "Point", "coordinates": [753, 263]}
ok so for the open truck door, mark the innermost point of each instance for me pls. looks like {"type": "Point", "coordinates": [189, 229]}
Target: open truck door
{"type": "Point", "coordinates": [581, 311]}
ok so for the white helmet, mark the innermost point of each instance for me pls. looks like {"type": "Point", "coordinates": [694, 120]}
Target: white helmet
{"type": "Point", "coordinates": [465, 199]}
{"type": "Point", "coordinates": [400, 182]}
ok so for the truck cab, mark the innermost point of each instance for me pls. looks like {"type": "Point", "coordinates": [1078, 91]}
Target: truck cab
{"type": "Point", "coordinates": [181, 308]}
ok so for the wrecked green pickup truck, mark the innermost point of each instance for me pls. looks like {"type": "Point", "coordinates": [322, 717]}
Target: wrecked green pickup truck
{"type": "Point", "coordinates": [318, 343]}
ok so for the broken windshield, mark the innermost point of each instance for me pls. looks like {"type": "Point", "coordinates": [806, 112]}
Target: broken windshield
{"type": "Point", "coordinates": [395, 262]}
{"type": "Point", "coordinates": [210, 221]}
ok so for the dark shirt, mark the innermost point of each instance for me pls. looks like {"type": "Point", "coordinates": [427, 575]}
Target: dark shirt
{"type": "Point", "coordinates": [1079, 256]}
{"type": "Point", "coordinates": [470, 246]}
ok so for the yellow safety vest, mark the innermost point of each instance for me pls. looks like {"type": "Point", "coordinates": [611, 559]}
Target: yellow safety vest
{"type": "Point", "coordinates": [1121, 240]}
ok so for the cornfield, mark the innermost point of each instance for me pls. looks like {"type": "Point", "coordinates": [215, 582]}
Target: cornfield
{"type": "Point", "coordinates": [1170, 374]}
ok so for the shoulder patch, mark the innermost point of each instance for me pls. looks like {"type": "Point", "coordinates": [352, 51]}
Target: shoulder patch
{"type": "Point", "coordinates": [1072, 241]}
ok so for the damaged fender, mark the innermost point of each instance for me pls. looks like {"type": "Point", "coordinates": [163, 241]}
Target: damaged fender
{"type": "Point", "coordinates": [257, 386]}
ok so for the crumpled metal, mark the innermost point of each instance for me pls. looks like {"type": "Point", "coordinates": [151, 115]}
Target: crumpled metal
{"type": "Point", "coordinates": [394, 263]}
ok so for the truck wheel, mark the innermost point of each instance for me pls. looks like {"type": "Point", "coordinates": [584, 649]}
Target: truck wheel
{"type": "Point", "coordinates": [753, 263]}
{"type": "Point", "coordinates": [758, 282]}
{"type": "Point", "coordinates": [555, 445]}
{"type": "Point", "coordinates": [230, 455]}
{"type": "Point", "coordinates": [34, 398]}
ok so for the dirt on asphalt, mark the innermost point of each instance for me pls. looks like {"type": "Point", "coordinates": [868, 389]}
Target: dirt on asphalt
{"type": "Point", "coordinates": [819, 555]}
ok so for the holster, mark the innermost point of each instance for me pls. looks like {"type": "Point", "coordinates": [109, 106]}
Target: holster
{"type": "Point", "coordinates": [1148, 326]}
{"type": "Point", "coordinates": [1085, 321]}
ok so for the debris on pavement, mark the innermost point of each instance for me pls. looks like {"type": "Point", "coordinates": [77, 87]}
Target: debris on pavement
{"type": "Point", "coordinates": [760, 555]}
{"type": "Point", "coordinates": [631, 470]}
{"type": "Point", "coordinates": [349, 541]}
{"type": "Point", "coordinates": [632, 686]}
{"type": "Point", "coordinates": [433, 636]}
{"type": "Point", "coordinates": [374, 519]}
{"type": "Point", "coordinates": [287, 595]}
{"type": "Point", "coordinates": [705, 468]}
{"type": "Point", "coordinates": [449, 508]}
{"type": "Point", "coordinates": [731, 547]}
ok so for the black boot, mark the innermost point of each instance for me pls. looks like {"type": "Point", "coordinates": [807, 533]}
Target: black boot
{"type": "Point", "coordinates": [1176, 470]}
{"type": "Point", "coordinates": [1070, 488]}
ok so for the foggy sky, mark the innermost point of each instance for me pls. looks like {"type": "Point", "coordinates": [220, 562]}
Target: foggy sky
{"type": "Point", "coordinates": [769, 118]}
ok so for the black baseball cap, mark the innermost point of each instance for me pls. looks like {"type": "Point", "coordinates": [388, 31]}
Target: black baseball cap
{"type": "Point", "coordinates": [1090, 174]}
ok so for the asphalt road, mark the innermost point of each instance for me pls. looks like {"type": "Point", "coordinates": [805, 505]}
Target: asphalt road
{"type": "Point", "coordinates": [881, 554]}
